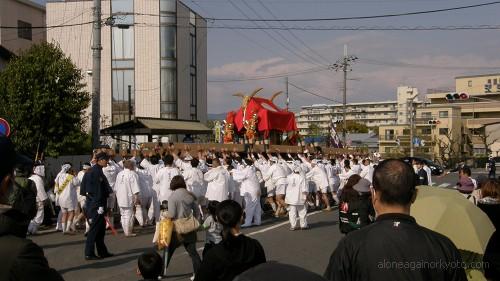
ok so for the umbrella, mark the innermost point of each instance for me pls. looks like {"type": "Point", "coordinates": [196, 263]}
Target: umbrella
{"type": "Point", "coordinates": [448, 212]}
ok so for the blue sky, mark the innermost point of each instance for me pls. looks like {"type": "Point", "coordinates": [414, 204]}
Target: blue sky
{"type": "Point", "coordinates": [250, 53]}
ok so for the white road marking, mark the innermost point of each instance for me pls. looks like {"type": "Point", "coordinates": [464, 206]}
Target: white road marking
{"type": "Point", "coordinates": [264, 229]}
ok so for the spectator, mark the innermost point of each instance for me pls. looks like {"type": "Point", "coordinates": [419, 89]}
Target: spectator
{"type": "Point", "coordinates": [236, 253]}
{"type": "Point", "coordinates": [212, 227]}
{"type": "Point", "coordinates": [21, 258]}
{"type": "Point", "coordinates": [149, 265]}
{"type": "Point", "coordinates": [355, 208]}
{"type": "Point", "coordinates": [490, 204]}
{"type": "Point", "coordinates": [491, 167]}
{"type": "Point", "coordinates": [182, 204]}
{"type": "Point", "coordinates": [386, 249]}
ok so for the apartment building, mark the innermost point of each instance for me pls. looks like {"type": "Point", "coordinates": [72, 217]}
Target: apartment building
{"type": "Point", "coordinates": [24, 15]}
{"type": "Point", "coordinates": [437, 134]}
{"type": "Point", "coordinates": [371, 114]}
{"type": "Point", "coordinates": [154, 56]}
{"type": "Point", "coordinates": [480, 111]}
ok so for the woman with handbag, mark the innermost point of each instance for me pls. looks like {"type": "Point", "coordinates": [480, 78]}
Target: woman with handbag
{"type": "Point", "coordinates": [184, 212]}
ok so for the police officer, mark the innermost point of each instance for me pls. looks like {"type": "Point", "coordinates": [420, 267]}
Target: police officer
{"type": "Point", "coordinates": [96, 188]}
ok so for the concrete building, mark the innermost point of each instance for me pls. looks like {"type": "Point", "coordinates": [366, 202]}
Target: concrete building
{"type": "Point", "coordinates": [21, 15]}
{"type": "Point", "coordinates": [480, 112]}
{"type": "Point", "coordinates": [371, 114]}
{"type": "Point", "coordinates": [433, 140]}
{"type": "Point", "coordinates": [156, 49]}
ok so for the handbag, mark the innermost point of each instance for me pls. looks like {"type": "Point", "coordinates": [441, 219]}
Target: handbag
{"type": "Point", "coordinates": [186, 225]}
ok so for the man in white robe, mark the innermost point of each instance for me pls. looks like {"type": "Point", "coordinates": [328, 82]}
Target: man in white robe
{"type": "Point", "coordinates": [127, 195]}
{"type": "Point", "coordinates": [296, 194]}
{"type": "Point", "coordinates": [41, 198]}
{"type": "Point", "coordinates": [278, 176]}
{"type": "Point", "coordinates": [145, 196]}
{"type": "Point", "coordinates": [250, 190]}
{"type": "Point", "coordinates": [217, 180]}
{"type": "Point", "coordinates": [163, 178]}
{"type": "Point", "coordinates": [66, 198]}
{"type": "Point", "coordinates": [320, 179]}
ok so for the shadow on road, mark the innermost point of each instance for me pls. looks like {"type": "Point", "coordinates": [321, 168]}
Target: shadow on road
{"type": "Point", "coordinates": [323, 224]}
{"type": "Point", "coordinates": [69, 243]}
{"type": "Point", "coordinates": [107, 263]}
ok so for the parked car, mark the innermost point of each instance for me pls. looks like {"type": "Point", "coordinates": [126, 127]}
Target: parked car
{"type": "Point", "coordinates": [436, 169]}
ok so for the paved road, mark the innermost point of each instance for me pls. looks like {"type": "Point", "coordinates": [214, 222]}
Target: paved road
{"type": "Point", "coordinates": [309, 249]}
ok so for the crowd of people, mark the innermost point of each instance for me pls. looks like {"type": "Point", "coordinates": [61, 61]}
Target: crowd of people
{"type": "Point", "coordinates": [226, 191]}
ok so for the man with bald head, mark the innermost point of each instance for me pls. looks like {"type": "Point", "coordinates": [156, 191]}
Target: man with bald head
{"type": "Point", "coordinates": [395, 247]}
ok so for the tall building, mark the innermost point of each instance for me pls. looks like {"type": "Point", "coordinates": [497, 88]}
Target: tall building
{"type": "Point", "coordinates": [480, 112]}
{"type": "Point", "coordinates": [154, 56]}
{"type": "Point", "coordinates": [371, 114]}
{"type": "Point", "coordinates": [23, 15]}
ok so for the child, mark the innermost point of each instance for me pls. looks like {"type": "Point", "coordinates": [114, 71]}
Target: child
{"type": "Point", "coordinates": [149, 265]}
{"type": "Point", "coordinates": [212, 227]}
{"type": "Point", "coordinates": [162, 237]}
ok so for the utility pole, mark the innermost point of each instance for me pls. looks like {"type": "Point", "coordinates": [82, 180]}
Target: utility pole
{"type": "Point", "coordinates": [344, 65]}
{"type": "Point", "coordinates": [96, 72]}
{"type": "Point", "coordinates": [129, 113]}
{"type": "Point", "coordinates": [344, 96]}
{"type": "Point", "coordinates": [287, 97]}
{"type": "Point", "coordinates": [410, 101]}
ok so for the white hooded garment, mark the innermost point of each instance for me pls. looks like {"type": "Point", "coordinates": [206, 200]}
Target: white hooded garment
{"type": "Point", "coordinates": [66, 190]}
{"type": "Point", "coordinates": [218, 184]}
{"type": "Point", "coordinates": [126, 185]}
{"type": "Point", "coordinates": [295, 189]}
{"type": "Point", "coordinates": [250, 187]}
{"type": "Point", "coordinates": [194, 181]}
{"type": "Point", "coordinates": [162, 181]}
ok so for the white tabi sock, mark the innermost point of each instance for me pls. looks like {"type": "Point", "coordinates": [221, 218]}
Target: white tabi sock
{"type": "Point", "coordinates": [63, 226]}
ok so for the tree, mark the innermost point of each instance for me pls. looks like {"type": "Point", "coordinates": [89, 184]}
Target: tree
{"type": "Point", "coordinates": [43, 98]}
{"type": "Point", "coordinates": [353, 127]}
{"type": "Point", "coordinates": [487, 138]}
{"type": "Point", "coordinates": [314, 130]}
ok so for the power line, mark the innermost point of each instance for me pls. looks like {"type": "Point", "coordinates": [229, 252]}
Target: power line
{"type": "Point", "coordinates": [248, 19]}
{"type": "Point", "coordinates": [268, 34]}
{"type": "Point", "coordinates": [290, 43]}
{"type": "Point", "coordinates": [293, 34]}
{"type": "Point", "coordinates": [362, 17]}
{"type": "Point", "coordinates": [48, 26]}
{"type": "Point", "coordinates": [410, 65]}
{"type": "Point", "coordinates": [312, 93]}
{"type": "Point", "coordinates": [278, 75]}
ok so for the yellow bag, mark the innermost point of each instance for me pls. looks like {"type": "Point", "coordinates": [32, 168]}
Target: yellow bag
{"type": "Point", "coordinates": [165, 233]}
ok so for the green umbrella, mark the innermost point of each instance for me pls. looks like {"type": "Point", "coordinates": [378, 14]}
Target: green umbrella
{"type": "Point", "coordinates": [448, 212]}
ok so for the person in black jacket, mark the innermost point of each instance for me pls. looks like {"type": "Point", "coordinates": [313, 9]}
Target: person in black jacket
{"type": "Point", "coordinates": [395, 247]}
{"type": "Point", "coordinates": [96, 188]}
{"type": "Point", "coordinates": [355, 208]}
{"type": "Point", "coordinates": [490, 204]}
{"type": "Point", "coordinates": [21, 258]}
{"type": "Point", "coordinates": [421, 174]}
{"type": "Point", "coordinates": [236, 253]}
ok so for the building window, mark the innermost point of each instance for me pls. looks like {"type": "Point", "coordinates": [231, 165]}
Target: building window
{"type": "Point", "coordinates": [443, 114]}
{"type": "Point", "coordinates": [489, 81]}
{"type": "Point", "coordinates": [426, 115]}
{"type": "Point", "coordinates": [406, 132]}
{"type": "Point", "coordinates": [168, 93]}
{"type": "Point", "coordinates": [122, 107]}
{"type": "Point", "coordinates": [122, 62]}
{"type": "Point", "coordinates": [469, 83]}
{"type": "Point", "coordinates": [24, 30]}
{"type": "Point", "coordinates": [426, 131]}
{"type": "Point", "coordinates": [193, 85]}
{"type": "Point", "coordinates": [389, 134]}
{"type": "Point", "coordinates": [494, 81]}
{"type": "Point", "coordinates": [168, 62]}
{"type": "Point", "coordinates": [443, 131]}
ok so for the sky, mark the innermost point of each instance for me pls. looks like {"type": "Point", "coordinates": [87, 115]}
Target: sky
{"type": "Point", "coordinates": [387, 59]}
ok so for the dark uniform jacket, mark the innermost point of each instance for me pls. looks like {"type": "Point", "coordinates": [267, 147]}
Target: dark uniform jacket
{"type": "Point", "coordinates": [395, 248]}
{"type": "Point", "coordinates": [96, 188]}
{"type": "Point", "coordinates": [422, 177]}
{"type": "Point", "coordinates": [21, 259]}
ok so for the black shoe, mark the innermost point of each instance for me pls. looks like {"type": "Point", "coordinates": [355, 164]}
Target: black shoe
{"type": "Point", "coordinates": [92, 258]}
{"type": "Point", "coordinates": [107, 255]}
